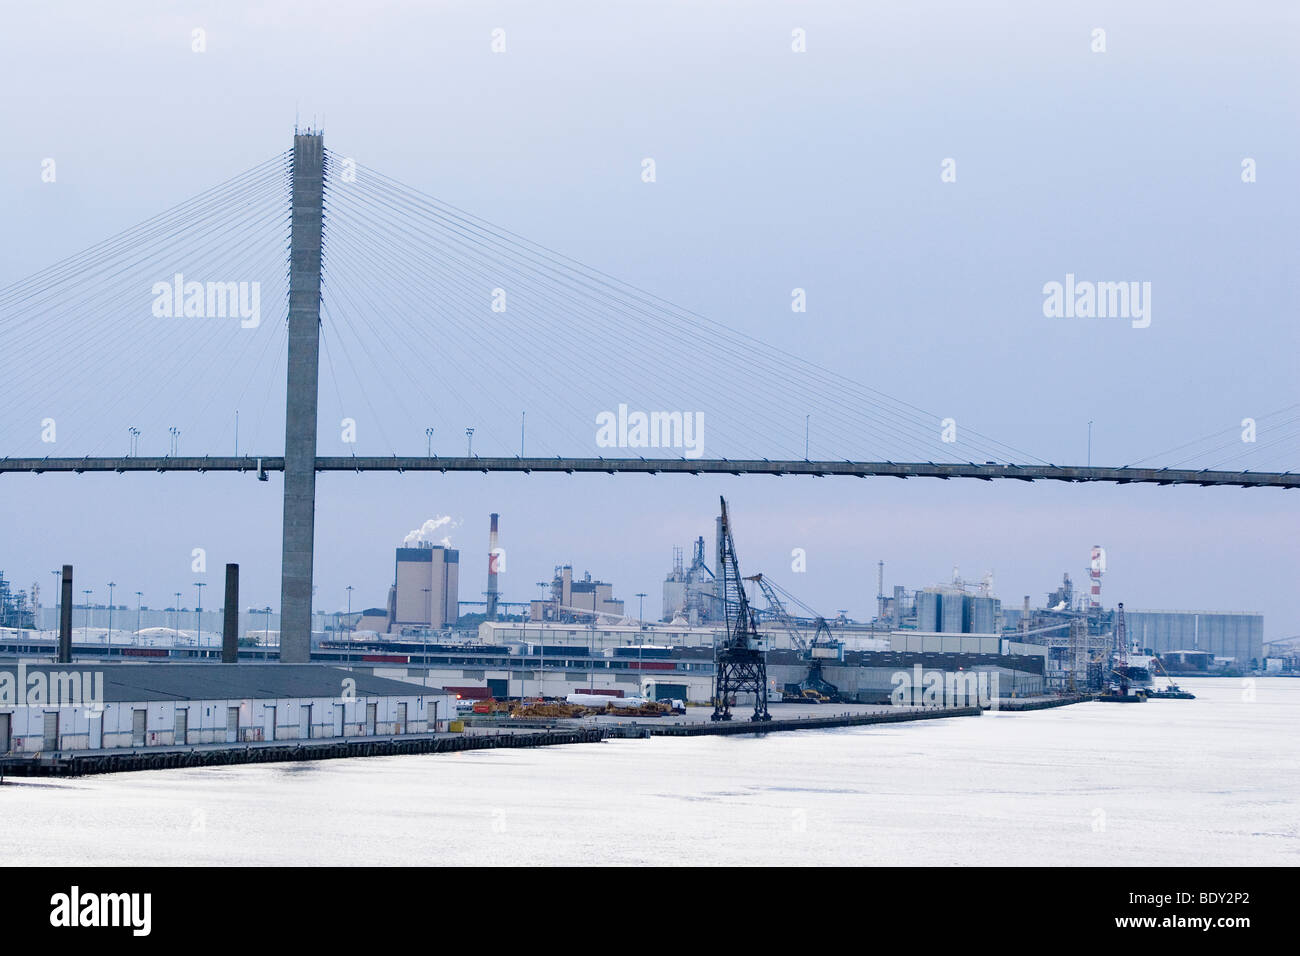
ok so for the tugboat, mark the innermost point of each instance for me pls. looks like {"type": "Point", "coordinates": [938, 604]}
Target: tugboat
{"type": "Point", "coordinates": [1171, 692]}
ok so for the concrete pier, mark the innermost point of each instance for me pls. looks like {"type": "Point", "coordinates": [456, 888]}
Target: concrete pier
{"type": "Point", "coordinates": [80, 763]}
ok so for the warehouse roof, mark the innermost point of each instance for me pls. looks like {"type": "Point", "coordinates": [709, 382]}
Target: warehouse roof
{"type": "Point", "coordinates": [167, 681]}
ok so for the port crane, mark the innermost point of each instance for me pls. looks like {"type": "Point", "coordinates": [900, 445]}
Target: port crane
{"type": "Point", "coordinates": [1120, 664]}
{"type": "Point", "coordinates": [740, 661]}
{"type": "Point", "coordinates": [814, 687]}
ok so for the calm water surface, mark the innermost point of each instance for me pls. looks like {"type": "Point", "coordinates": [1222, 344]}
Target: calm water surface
{"type": "Point", "coordinates": [1210, 781]}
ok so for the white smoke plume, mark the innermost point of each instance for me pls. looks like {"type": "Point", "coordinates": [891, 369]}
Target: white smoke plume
{"type": "Point", "coordinates": [427, 533]}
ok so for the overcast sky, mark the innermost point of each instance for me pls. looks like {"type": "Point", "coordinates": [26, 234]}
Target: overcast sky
{"type": "Point", "coordinates": [775, 170]}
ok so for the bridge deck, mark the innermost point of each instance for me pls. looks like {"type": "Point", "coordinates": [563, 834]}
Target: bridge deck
{"type": "Point", "coordinates": [701, 466]}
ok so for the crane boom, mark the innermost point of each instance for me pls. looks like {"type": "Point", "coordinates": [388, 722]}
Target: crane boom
{"type": "Point", "coordinates": [815, 682]}
{"type": "Point", "coordinates": [777, 607]}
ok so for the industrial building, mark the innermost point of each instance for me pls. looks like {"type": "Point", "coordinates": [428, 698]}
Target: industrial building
{"type": "Point", "coordinates": [583, 600]}
{"type": "Point", "coordinates": [690, 594]}
{"type": "Point", "coordinates": [171, 705]}
{"type": "Point", "coordinates": [954, 611]}
{"type": "Point", "coordinates": [517, 669]}
{"type": "Point", "coordinates": [868, 677]}
{"type": "Point", "coordinates": [426, 587]}
{"type": "Point", "coordinates": [1238, 636]}
{"type": "Point", "coordinates": [596, 637]}
{"type": "Point", "coordinates": [17, 607]}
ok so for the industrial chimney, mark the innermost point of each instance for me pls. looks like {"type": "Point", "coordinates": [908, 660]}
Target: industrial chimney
{"type": "Point", "coordinates": [230, 623]}
{"type": "Point", "coordinates": [65, 616]}
{"type": "Point", "coordinates": [494, 556]}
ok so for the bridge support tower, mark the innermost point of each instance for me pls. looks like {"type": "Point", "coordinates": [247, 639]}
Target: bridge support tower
{"type": "Point", "coordinates": [308, 204]}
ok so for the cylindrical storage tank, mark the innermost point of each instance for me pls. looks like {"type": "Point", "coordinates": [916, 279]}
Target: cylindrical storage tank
{"type": "Point", "coordinates": [927, 611]}
{"type": "Point", "coordinates": [982, 614]}
{"type": "Point", "coordinates": [952, 609]}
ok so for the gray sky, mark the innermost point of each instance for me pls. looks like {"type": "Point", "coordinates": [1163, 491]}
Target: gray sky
{"type": "Point", "coordinates": [775, 170]}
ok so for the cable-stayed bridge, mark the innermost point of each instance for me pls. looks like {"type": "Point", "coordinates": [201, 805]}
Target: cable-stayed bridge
{"type": "Point", "coordinates": [429, 325]}
{"type": "Point", "coordinates": [669, 466]}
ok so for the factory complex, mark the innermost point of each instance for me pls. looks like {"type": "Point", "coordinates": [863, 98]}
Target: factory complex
{"type": "Point", "coordinates": [413, 666]}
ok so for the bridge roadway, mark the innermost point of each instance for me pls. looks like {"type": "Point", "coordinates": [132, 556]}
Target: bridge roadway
{"type": "Point", "coordinates": [653, 466]}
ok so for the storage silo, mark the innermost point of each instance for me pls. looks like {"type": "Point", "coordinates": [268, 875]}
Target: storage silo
{"type": "Point", "coordinates": [982, 618]}
{"type": "Point", "coordinates": [927, 611]}
{"type": "Point", "coordinates": [952, 611]}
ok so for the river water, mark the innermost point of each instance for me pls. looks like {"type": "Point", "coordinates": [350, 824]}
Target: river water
{"type": "Point", "coordinates": [1210, 781]}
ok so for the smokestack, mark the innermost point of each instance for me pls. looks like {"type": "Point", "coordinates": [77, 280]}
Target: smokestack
{"type": "Point", "coordinates": [493, 558]}
{"type": "Point", "coordinates": [230, 620]}
{"type": "Point", "coordinates": [65, 617]}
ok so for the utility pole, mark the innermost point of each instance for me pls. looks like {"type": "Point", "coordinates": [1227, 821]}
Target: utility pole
{"type": "Point", "coordinates": [469, 434]}
{"type": "Point", "coordinates": [428, 448]}
{"type": "Point", "coordinates": [58, 581]}
{"type": "Point", "coordinates": [640, 642]}
{"type": "Point", "coordinates": [880, 590]}
{"type": "Point", "coordinates": [111, 585]}
{"type": "Point", "coordinates": [198, 614]}
{"type": "Point", "coordinates": [86, 629]}
{"type": "Point", "coordinates": [540, 633]}
{"type": "Point", "coordinates": [176, 619]}
{"type": "Point", "coordinates": [350, 627]}
{"type": "Point", "coordinates": [139, 599]}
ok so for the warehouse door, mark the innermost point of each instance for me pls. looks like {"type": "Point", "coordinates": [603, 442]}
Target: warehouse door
{"type": "Point", "coordinates": [232, 725]}
{"type": "Point", "coordinates": [97, 730]}
{"type": "Point", "coordinates": [372, 718]}
{"type": "Point", "coordinates": [304, 721]}
{"type": "Point", "coordinates": [269, 729]}
{"type": "Point", "coordinates": [669, 691]}
{"type": "Point", "coordinates": [182, 726]}
{"type": "Point", "coordinates": [138, 724]}
{"type": "Point", "coordinates": [401, 718]}
{"type": "Point", "coordinates": [338, 720]}
{"type": "Point", "coordinates": [50, 737]}
{"type": "Point", "coordinates": [6, 729]}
